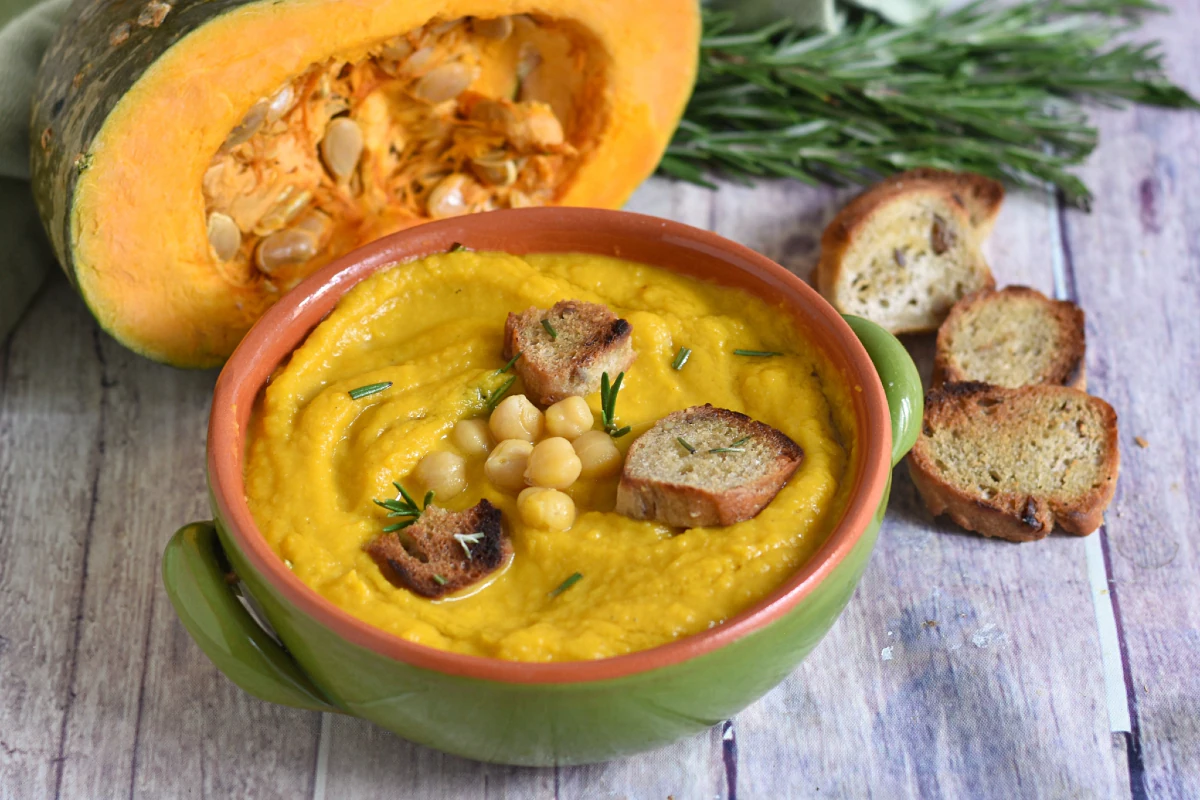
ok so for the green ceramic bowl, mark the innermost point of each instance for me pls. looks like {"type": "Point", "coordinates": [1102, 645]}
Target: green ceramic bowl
{"type": "Point", "coordinates": [318, 657]}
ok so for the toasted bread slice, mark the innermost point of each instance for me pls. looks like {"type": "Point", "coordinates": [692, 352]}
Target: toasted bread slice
{"type": "Point", "coordinates": [1015, 463]}
{"type": "Point", "coordinates": [705, 466]}
{"type": "Point", "coordinates": [902, 254]}
{"type": "Point", "coordinates": [427, 559]}
{"type": "Point", "coordinates": [981, 196]}
{"type": "Point", "coordinates": [581, 343]}
{"type": "Point", "coordinates": [1012, 337]}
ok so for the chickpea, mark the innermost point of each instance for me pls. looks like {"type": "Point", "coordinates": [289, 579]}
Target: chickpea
{"type": "Point", "coordinates": [548, 509]}
{"type": "Point", "coordinates": [443, 472]}
{"type": "Point", "coordinates": [598, 454]}
{"type": "Point", "coordinates": [553, 464]}
{"type": "Point", "coordinates": [505, 467]}
{"type": "Point", "coordinates": [473, 437]}
{"type": "Point", "coordinates": [516, 418]}
{"type": "Point", "coordinates": [568, 418]}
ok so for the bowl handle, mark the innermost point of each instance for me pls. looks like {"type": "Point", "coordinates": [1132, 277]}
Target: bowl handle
{"type": "Point", "coordinates": [901, 382]}
{"type": "Point", "coordinates": [194, 571]}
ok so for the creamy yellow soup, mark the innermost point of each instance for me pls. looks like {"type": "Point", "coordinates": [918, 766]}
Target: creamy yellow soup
{"type": "Point", "coordinates": [433, 328]}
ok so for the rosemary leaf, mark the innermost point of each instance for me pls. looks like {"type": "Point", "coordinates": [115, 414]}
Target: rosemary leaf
{"type": "Point", "coordinates": [369, 389]}
{"type": "Point", "coordinates": [567, 584]}
{"type": "Point", "coordinates": [509, 365]}
{"type": "Point", "coordinates": [685, 444]}
{"type": "Point", "coordinates": [994, 88]}
{"type": "Point", "coordinates": [550, 330]}
{"type": "Point", "coordinates": [681, 358]}
{"type": "Point", "coordinates": [757, 353]}
{"type": "Point", "coordinates": [439, 579]}
{"type": "Point", "coordinates": [495, 397]}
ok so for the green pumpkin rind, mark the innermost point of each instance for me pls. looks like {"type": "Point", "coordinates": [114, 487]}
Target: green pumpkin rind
{"type": "Point", "coordinates": [87, 69]}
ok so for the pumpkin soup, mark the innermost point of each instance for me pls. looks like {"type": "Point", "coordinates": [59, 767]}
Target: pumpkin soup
{"type": "Point", "coordinates": [384, 382]}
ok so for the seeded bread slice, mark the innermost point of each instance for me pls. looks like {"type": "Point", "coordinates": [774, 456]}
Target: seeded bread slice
{"type": "Point", "coordinates": [1014, 463]}
{"type": "Point", "coordinates": [737, 467]}
{"type": "Point", "coordinates": [1012, 337]}
{"type": "Point", "coordinates": [427, 559]}
{"type": "Point", "coordinates": [583, 341]}
{"type": "Point", "coordinates": [902, 254]}
{"type": "Point", "coordinates": [980, 195]}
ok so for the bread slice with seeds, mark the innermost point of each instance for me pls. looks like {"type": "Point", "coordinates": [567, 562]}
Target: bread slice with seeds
{"type": "Point", "coordinates": [1016, 463]}
{"type": "Point", "coordinates": [902, 254]}
{"type": "Point", "coordinates": [1012, 337]}
{"type": "Point", "coordinates": [705, 466]}
{"type": "Point", "coordinates": [443, 551]}
{"type": "Point", "coordinates": [980, 195]}
{"type": "Point", "coordinates": [567, 348]}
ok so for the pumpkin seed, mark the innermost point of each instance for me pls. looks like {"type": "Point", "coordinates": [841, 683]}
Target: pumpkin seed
{"type": "Point", "coordinates": [417, 61]}
{"type": "Point", "coordinates": [444, 82]}
{"type": "Point", "coordinates": [397, 49]}
{"type": "Point", "coordinates": [289, 203]}
{"type": "Point", "coordinates": [448, 198]}
{"type": "Point", "coordinates": [285, 248]}
{"type": "Point", "coordinates": [224, 236]}
{"type": "Point", "coordinates": [499, 28]}
{"type": "Point", "coordinates": [280, 103]}
{"type": "Point", "coordinates": [248, 126]}
{"type": "Point", "coordinates": [440, 28]}
{"type": "Point", "coordinates": [342, 147]}
{"type": "Point", "coordinates": [317, 223]}
{"type": "Point", "coordinates": [495, 168]}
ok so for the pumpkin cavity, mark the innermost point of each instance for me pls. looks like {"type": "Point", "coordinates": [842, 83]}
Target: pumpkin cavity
{"type": "Point", "coordinates": [455, 117]}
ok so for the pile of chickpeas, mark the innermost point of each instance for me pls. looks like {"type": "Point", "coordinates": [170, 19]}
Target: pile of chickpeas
{"type": "Point", "coordinates": [533, 454]}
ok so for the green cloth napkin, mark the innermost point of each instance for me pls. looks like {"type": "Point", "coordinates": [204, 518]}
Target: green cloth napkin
{"type": "Point", "coordinates": [26, 27]}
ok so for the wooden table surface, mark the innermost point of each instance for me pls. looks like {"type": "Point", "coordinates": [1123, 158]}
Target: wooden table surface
{"type": "Point", "coordinates": [961, 668]}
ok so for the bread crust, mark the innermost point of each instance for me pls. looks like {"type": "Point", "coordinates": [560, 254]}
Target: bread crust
{"type": "Point", "coordinates": [444, 557]}
{"type": "Point", "coordinates": [1011, 516]}
{"type": "Point", "coordinates": [686, 506]}
{"type": "Point", "coordinates": [848, 224]}
{"type": "Point", "coordinates": [1069, 366]}
{"type": "Point", "coordinates": [980, 195]}
{"type": "Point", "coordinates": [605, 345]}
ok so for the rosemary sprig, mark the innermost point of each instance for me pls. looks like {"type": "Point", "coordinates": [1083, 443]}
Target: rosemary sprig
{"type": "Point", "coordinates": [405, 507]}
{"type": "Point", "coordinates": [369, 389]}
{"type": "Point", "coordinates": [757, 353]}
{"type": "Point", "coordinates": [497, 395]}
{"type": "Point", "coordinates": [550, 330]}
{"type": "Point", "coordinates": [509, 364]}
{"type": "Point", "coordinates": [991, 88]}
{"type": "Point", "coordinates": [567, 584]}
{"type": "Point", "coordinates": [608, 405]}
{"type": "Point", "coordinates": [681, 358]}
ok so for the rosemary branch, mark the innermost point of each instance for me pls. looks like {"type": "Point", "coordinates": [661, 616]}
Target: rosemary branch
{"type": "Point", "coordinates": [990, 88]}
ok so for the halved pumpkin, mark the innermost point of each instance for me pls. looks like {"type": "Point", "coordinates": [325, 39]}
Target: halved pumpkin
{"type": "Point", "coordinates": [192, 161]}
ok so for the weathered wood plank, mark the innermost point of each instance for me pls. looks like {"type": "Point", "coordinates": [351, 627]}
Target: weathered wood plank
{"type": "Point", "coordinates": [1134, 265]}
{"type": "Point", "coordinates": [152, 715]}
{"type": "Point", "coordinates": [50, 460]}
{"type": "Point", "coordinates": [963, 667]}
